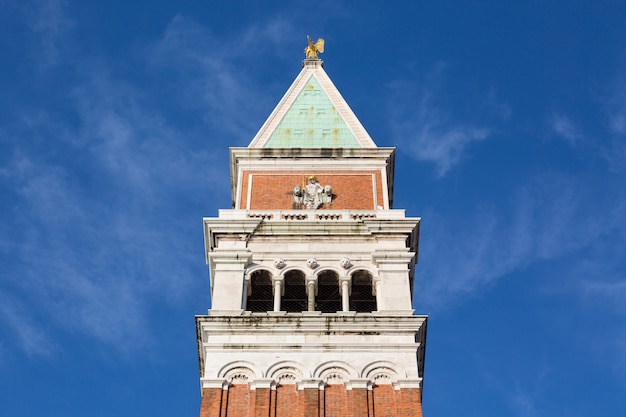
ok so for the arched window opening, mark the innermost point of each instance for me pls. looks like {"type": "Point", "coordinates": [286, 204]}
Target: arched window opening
{"type": "Point", "coordinates": [294, 300]}
{"type": "Point", "coordinates": [328, 297]}
{"type": "Point", "coordinates": [260, 298]}
{"type": "Point", "coordinates": [362, 299]}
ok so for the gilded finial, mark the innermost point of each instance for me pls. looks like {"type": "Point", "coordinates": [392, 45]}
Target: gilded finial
{"type": "Point", "coordinates": [314, 49]}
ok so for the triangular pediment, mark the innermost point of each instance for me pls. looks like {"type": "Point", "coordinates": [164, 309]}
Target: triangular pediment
{"type": "Point", "coordinates": [312, 114]}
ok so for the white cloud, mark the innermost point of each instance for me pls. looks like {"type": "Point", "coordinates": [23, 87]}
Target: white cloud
{"type": "Point", "coordinates": [565, 128]}
{"type": "Point", "coordinates": [106, 200]}
{"type": "Point", "coordinates": [613, 144]}
{"type": "Point", "coordinates": [616, 107]}
{"type": "Point", "coordinates": [31, 337]}
{"type": "Point", "coordinates": [445, 147]}
{"type": "Point", "coordinates": [212, 73]}
{"type": "Point", "coordinates": [618, 123]}
{"type": "Point", "coordinates": [605, 295]}
{"type": "Point", "coordinates": [49, 20]}
{"type": "Point", "coordinates": [426, 130]}
{"type": "Point", "coordinates": [549, 218]}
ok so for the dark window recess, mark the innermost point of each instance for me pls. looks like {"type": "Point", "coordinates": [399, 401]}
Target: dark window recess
{"type": "Point", "coordinates": [294, 300]}
{"type": "Point", "coordinates": [362, 299]}
{"type": "Point", "coordinates": [261, 298]}
{"type": "Point", "coordinates": [328, 297]}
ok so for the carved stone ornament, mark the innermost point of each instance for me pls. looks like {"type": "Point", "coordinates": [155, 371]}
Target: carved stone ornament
{"type": "Point", "coordinates": [312, 196]}
{"type": "Point", "coordinates": [334, 379]}
{"type": "Point", "coordinates": [239, 379]}
{"type": "Point", "coordinates": [288, 375]}
{"type": "Point", "coordinates": [312, 263]}
{"type": "Point", "coordinates": [279, 263]}
{"type": "Point", "coordinates": [287, 378]}
{"type": "Point", "coordinates": [298, 197]}
{"type": "Point", "coordinates": [327, 194]}
{"type": "Point", "coordinates": [239, 375]}
{"type": "Point", "coordinates": [345, 263]}
{"type": "Point", "coordinates": [382, 379]}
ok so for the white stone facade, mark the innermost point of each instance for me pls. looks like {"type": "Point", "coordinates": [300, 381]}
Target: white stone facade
{"type": "Point", "coordinates": [349, 349]}
{"type": "Point", "coordinates": [383, 243]}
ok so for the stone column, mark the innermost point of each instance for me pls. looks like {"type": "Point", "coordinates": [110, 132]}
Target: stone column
{"type": "Point", "coordinates": [246, 292]}
{"type": "Point", "coordinates": [344, 289]}
{"type": "Point", "coordinates": [310, 292]}
{"type": "Point", "coordinates": [277, 287]}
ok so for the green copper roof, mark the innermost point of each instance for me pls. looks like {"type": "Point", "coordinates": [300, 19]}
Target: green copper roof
{"type": "Point", "coordinates": [312, 122]}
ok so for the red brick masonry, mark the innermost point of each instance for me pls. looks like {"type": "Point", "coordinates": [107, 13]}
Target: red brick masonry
{"type": "Point", "coordinates": [332, 401]}
{"type": "Point", "coordinates": [352, 190]}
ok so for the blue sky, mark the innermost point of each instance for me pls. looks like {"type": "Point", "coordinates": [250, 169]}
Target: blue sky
{"type": "Point", "coordinates": [510, 124]}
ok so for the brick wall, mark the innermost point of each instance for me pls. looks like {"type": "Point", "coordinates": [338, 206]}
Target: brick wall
{"type": "Point", "coordinates": [287, 401]}
{"type": "Point", "coordinates": [352, 190]}
{"type": "Point", "coordinates": [333, 401]}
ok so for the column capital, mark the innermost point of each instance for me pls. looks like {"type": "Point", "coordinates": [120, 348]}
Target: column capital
{"type": "Point", "coordinates": [261, 383]}
{"type": "Point", "coordinates": [359, 383]}
{"type": "Point", "coordinates": [310, 383]}
{"type": "Point", "coordinates": [409, 383]}
{"type": "Point", "coordinates": [220, 383]}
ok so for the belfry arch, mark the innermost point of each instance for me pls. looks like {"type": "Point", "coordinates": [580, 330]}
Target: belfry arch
{"type": "Point", "coordinates": [362, 298]}
{"type": "Point", "coordinates": [259, 292]}
{"type": "Point", "coordinates": [328, 298]}
{"type": "Point", "coordinates": [294, 298]}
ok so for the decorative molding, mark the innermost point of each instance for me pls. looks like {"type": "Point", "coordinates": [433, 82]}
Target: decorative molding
{"type": "Point", "coordinates": [240, 370]}
{"type": "Point", "coordinates": [383, 372]}
{"type": "Point", "coordinates": [263, 383]}
{"type": "Point", "coordinates": [345, 263]}
{"type": "Point", "coordinates": [382, 378]}
{"type": "Point", "coordinates": [239, 378]}
{"type": "Point", "coordinates": [359, 383]}
{"type": "Point", "coordinates": [335, 378]}
{"type": "Point", "coordinates": [219, 383]}
{"type": "Point", "coordinates": [335, 372]}
{"type": "Point", "coordinates": [287, 378]}
{"type": "Point", "coordinates": [311, 384]}
{"type": "Point", "coordinates": [240, 375]}
{"type": "Point", "coordinates": [410, 383]}
{"type": "Point", "coordinates": [286, 372]}
{"type": "Point", "coordinates": [287, 375]}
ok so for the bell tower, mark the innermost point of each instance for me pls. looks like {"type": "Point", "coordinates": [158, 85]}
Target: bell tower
{"type": "Point", "coordinates": [311, 271]}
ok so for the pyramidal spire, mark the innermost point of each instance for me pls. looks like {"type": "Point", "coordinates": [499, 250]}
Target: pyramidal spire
{"type": "Point", "coordinates": [312, 113]}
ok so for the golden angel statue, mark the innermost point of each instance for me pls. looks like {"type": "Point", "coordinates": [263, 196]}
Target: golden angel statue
{"type": "Point", "coordinates": [313, 49]}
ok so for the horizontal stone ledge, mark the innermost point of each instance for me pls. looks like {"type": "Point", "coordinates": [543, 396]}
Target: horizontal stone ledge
{"type": "Point", "coordinates": [249, 217]}
{"type": "Point", "coordinates": [312, 383]}
{"type": "Point", "coordinates": [348, 348]}
{"type": "Point", "coordinates": [297, 331]}
{"type": "Point", "coordinates": [338, 318]}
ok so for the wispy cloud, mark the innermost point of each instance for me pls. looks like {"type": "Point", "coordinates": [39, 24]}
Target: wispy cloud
{"type": "Point", "coordinates": [615, 147]}
{"type": "Point", "coordinates": [564, 127]}
{"type": "Point", "coordinates": [50, 22]}
{"type": "Point", "coordinates": [548, 218]}
{"type": "Point", "coordinates": [616, 107]}
{"type": "Point", "coordinates": [31, 337]}
{"type": "Point", "coordinates": [212, 74]}
{"type": "Point", "coordinates": [607, 297]}
{"type": "Point", "coordinates": [105, 199]}
{"type": "Point", "coordinates": [428, 131]}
